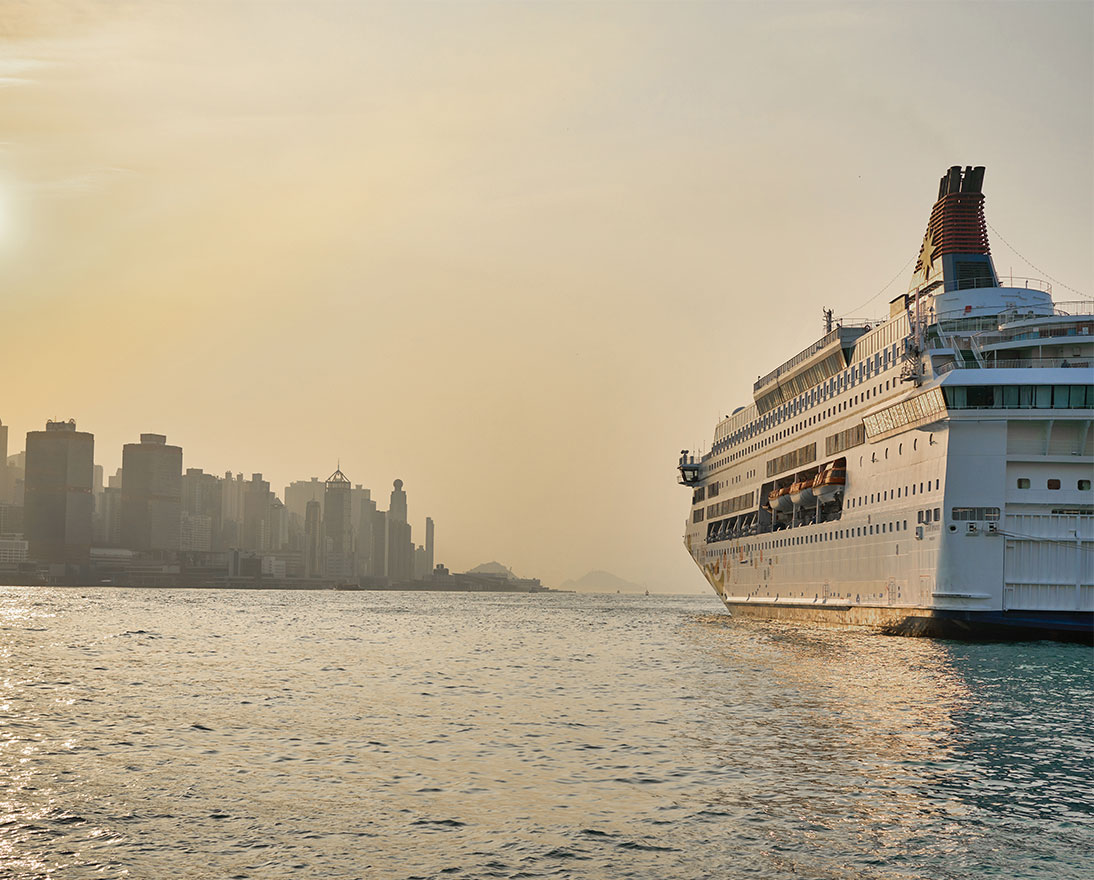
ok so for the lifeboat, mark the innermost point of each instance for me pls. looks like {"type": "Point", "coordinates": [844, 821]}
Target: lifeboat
{"type": "Point", "coordinates": [830, 482]}
{"type": "Point", "coordinates": [780, 499]}
{"type": "Point", "coordinates": [802, 492]}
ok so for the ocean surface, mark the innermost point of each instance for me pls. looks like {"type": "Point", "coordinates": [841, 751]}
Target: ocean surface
{"type": "Point", "coordinates": [237, 734]}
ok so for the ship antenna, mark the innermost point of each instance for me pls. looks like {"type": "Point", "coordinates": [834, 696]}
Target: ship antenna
{"type": "Point", "coordinates": [827, 320]}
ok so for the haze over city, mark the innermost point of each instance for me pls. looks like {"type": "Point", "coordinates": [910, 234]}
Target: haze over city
{"type": "Point", "coordinates": [516, 255]}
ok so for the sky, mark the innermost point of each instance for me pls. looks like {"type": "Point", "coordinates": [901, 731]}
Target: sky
{"type": "Point", "coordinates": [518, 255]}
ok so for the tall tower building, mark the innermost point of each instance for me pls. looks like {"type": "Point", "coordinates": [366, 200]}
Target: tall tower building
{"type": "Point", "coordinates": [5, 472]}
{"type": "Point", "coordinates": [313, 540]}
{"type": "Point", "coordinates": [429, 546]}
{"type": "Point", "coordinates": [400, 547]}
{"type": "Point", "coordinates": [397, 508]}
{"type": "Point", "coordinates": [338, 526]}
{"type": "Point", "coordinates": [151, 495]}
{"type": "Point", "coordinates": [57, 500]}
{"type": "Point", "coordinates": [257, 515]}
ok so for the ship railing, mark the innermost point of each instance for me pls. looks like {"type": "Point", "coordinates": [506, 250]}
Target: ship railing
{"type": "Point", "coordinates": [1074, 307]}
{"type": "Point", "coordinates": [1016, 281]}
{"type": "Point", "coordinates": [1079, 363]}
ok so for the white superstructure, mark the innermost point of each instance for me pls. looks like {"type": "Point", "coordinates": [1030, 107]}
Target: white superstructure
{"type": "Point", "coordinates": [928, 473]}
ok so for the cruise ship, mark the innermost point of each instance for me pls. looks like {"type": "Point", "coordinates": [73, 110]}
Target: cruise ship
{"type": "Point", "coordinates": [928, 473]}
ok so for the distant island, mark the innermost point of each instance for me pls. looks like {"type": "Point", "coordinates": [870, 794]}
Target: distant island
{"type": "Point", "coordinates": [490, 577]}
{"type": "Point", "coordinates": [600, 581]}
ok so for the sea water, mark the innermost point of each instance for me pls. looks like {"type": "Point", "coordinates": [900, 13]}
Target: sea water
{"type": "Point", "coordinates": [248, 734]}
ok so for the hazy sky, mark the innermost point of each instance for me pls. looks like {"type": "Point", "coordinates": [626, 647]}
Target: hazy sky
{"type": "Point", "coordinates": [518, 255]}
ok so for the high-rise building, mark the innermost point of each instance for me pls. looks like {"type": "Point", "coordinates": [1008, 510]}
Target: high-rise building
{"type": "Point", "coordinates": [257, 500]}
{"type": "Point", "coordinates": [107, 530]}
{"type": "Point", "coordinates": [6, 477]}
{"type": "Point", "coordinates": [400, 546]}
{"type": "Point", "coordinates": [202, 502]}
{"type": "Point", "coordinates": [338, 526]}
{"type": "Point", "coordinates": [57, 493]}
{"type": "Point", "coordinates": [397, 508]}
{"type": "Point", "coordinates": [421, 567]}
{"type": "Point", "coordinates": [366, 522]}
{"type": "Point", "coordinates": [231, 511]}
{"type": "Point", "coordinates": [313, 540]}
{"type": "Point", "coordinates": [378, 554]}
{"type": "Point", "coordinates": [151, 495]}
{"type": "Point", "coordinates": [429, 546]}
{"type": "Point", "coordinates": [299, 492]}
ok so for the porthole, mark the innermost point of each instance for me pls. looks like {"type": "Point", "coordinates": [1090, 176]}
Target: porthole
{"type": "Point", "coordinates": [900, 449]}
{"type": "Point", "coordinates": [1083, 485]}
{"type": "Point", "coordinates": [886, 451]}
{"type": "Point", "coordinates": [915, 443]}
{"type": "Point", "coordinates": [1054, 484]}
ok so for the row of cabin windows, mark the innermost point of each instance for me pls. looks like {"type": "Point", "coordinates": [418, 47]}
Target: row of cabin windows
{"type": "Point", "coordinates": [1081, 485]}
{"type": "Point", "coordinates": [891, 494]}
{"type": "Point", "coordinates": [836, 535]}
{"type": "Point", "coordinates": [833, 387]}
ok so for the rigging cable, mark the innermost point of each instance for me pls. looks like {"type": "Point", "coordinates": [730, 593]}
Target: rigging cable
{"type": "Point", "coordinates": [903, 269]}
{"type": "Point", "coordinates": [999, 235]}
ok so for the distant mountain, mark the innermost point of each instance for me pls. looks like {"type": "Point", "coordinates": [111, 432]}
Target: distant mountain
{"type": "Point", "coordinates": [603, 582]}
{"type": "Point", "coordinates": [495, 568]}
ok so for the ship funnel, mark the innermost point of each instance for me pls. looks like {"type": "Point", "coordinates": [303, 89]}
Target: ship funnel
{"type": "Point", "coordinates": [955, 254]}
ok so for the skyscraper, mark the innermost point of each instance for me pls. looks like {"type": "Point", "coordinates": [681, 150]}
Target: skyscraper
{"type": "Point", "coordinates": [151, 495]}
{"type": "Point", "coordinates": [5, 479]}
{"type": "Point", "coordinates": [338, 526]}
{"type": "Point", "coordinates": [429, 546]}
{"type": "Point", "coordinates": [257, 520]}
{"type": "Point", "coordinates": [57, 500]}
{"type": "Point", "coordinates": [299, 492]}
{"type": "Point", "coordinates": [313, 540]}
{"type": "Point", "coordinates": [201, 511]}
{"type": "Point", "coordinates": [400, 547]}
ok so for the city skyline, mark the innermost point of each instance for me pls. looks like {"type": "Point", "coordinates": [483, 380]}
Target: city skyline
{"type": "Point", "coordinates": [552, 254]}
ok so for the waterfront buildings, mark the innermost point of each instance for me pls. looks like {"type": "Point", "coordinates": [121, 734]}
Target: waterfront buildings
{"type": "Point", "coordinates": [154, 523]}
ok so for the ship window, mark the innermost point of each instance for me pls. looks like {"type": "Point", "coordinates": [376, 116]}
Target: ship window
{"type": "Point", "coordinates": [937, 514]}
{"type": "Point", "coordinates": [1054, 484]}
{"type": "Point", "coordinates": [1043, 396]}
{"type": "Point", "coordinates": [1060, 397]}
{"type": "Point", "coordinates": [1023, 482]}
{"type": "Point", "coordinates": [1083, 485]}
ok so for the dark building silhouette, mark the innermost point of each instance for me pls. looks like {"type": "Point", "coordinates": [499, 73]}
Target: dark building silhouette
{"type": "Point", "coordinates": [202, 500]}
{"type": "Point", "coordinates": [400, 547]}
{"type": "Point", "coordinates": [7, 479]}
{"type": "Point", "coordinates": [338, 526]}
{"type": "Point", "coordinates": [365, 509]}
{"type": "Point", "coordinates": [378, 554]}
{"type": "Point", "coordinates": [299, 492]}
{"type": "Point", "coordinates": [57, 501]}
{"type": "Point", "coordinates": [151, 495]}
{"type": "Point", "coordinates": [313, 540]}
{"type": "Point", "coordinates": [429, 546]}
{"type": "Point", "coordinates": [257, 501]}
